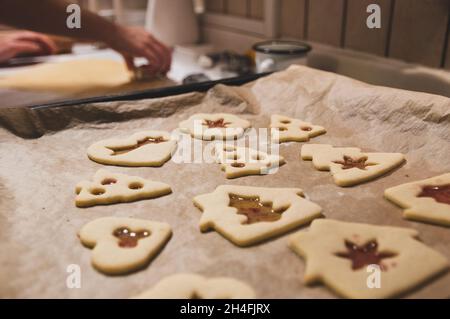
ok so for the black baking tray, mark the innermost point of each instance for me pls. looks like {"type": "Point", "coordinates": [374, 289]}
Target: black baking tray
{"type": "Point", "coordinates": [155, 93]}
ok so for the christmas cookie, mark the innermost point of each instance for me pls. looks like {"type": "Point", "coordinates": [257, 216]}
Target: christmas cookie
{"type": "Point", "coordinates": [221, 126]}
{"type": "Point", "coordinates": [243, 161]}
{"type": "Point", "coordinates": [192, 286]}
{"type": "Point", "coordinates": [122, 245]}
{"type": "Point", "coordinates": [112, 188]}
{"type": "Point", "coordinates": [286, 129]}
{"type": "Point", "coordinates": [247, 215]}
{"type": "Point", "coordinates": [348, 165]}
{"type": "Point", "coordinates": [427, 200]}
{"type": "Point", "coordinates": [365, 261]}
{"type": "Point", "coordinates": [148, 148]}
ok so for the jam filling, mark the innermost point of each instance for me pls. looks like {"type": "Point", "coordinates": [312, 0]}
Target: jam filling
{"type": "Point", "coordinates": [254, 209]}
{"type": "Point", "coordinates": [128, 238]}
{"type": "Point", "coordinates": [365, 255]}
{"type": "Point", "coordinates": [140, 143]}
{"type": "Point", "coordinates": [441, 194]}
{"type": "Point", "coordinates": [216, 123]}
{"type": "Point", "coordinates": [349, 162]}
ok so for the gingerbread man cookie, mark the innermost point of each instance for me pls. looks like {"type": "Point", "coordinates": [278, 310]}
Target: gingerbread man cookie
{"type": "Point", "coordinates": [427, 200]}
{"type": "Point", "coordinates": [365, 261]}
{"type": "Point", "coordinates": [192, 286]}
{"type": "Point", "coordinates": [348, 165]}
{"type": "Point", "coordinates": [286, 129]}
{"type": "Point", "coordinates": [243, 161]}
{"type": "Point", "coordinates": [247, 215]}
{"type": "Point", "coordinates": [112, 188]}
{"type": "Point", "coordinates": [123, 245]}
{"type": "Point", "coordinates": [148, 148]}
{"type": "Point", "coordinates": [221, 126]}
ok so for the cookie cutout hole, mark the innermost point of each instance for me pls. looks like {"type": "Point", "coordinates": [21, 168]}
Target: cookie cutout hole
{"type": "Point", "coordinates": [259, 157]}
{"type": "Point", "coordinates": [128, 238]}
{"type": "Point", "coordinates": [254, 209]}
{"type": "Point", "coordinates": [348, 162]}
{"type": "Point", "coordinates": [364, 255]}
{"type": "Point", "coordinates": [220, 123]}
{"type": "Point", "coordinates": [140, 143]}
{"type": "Point", "coordinates": [281, 129]}
{"type": "Point", "coordinates": [78, 191]}
{"type": "Point", "coordinates": [440, 193]}
{"type": "Point", "coordinates": [238, 165]}
{"type": "Point", "coordinates": [109, 181]}
{"type": "Point", "coordinates": [228, 148]}
{"type": "Point", "coordinates": [285, 122]}
{"type": "Point", "coordinates": [135, 185]}
{"type": "Point", "coordinates": [97, 191]}
{"type": "Point", "coordinates": [306, 128]}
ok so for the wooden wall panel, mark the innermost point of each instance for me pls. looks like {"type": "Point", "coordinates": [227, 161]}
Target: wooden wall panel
{"type": "Point", "coordinates": [216, 6]}
{"type": "Point", "coordinates": [358, 36]}
{"type": "Point", "coordinates": [292, 18]}
{"type": "Point", "coordinates": [237, 7]}
{"type": "Point", "coordinates": [325, 20]}
{"type": "Point", "coordinates": [419, 30]}
{"type": "Point", "coordinates": [256, 9]}
{"type": "Point", "coordinates": [447, 59]}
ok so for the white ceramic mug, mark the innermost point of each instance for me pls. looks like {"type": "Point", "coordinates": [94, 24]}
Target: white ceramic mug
{"type": "Point", "coordinates": [278, 55]}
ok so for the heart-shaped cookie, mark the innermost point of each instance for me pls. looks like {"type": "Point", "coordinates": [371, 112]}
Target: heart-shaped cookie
{"type": "Point", "coordinates": [147, 148]}
{"type": "Point", "coordinates": [192, 286]}
{"type": "Point", "coordinates": [123, 245]}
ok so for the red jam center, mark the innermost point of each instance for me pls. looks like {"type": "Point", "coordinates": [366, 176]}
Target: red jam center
{"type": "Point", "coordinates": [349, 162]}
{"type": "Point", "coordinates": [128, 238]}
{"type": "Point", "coordinates": [364, 255]}
{"type": "Point", "coordinates": [215, 124]}
{"type": "Point", "coordinates": [140, 143]}
{"type": "Point", "coordinates": [441, 194]}
{"type": "Point", "coordinates": [254, 209]}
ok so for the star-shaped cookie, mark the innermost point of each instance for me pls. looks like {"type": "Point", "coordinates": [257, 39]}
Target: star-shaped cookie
{"type": "Point", "coordinates": [111, 188]}
{"type": "Point", "coordinates": [348, 256]}
{"type": "Point", "coordinates": [242, 161]}
{"type": "Point", "coordinates": [147, 148]}
{"type": "Point", "coordinates": [123, 245]}
{"type": "Point", "coordinates": [286, 129]}
{"type": "Point", "coordinates": [222, 126]}
{"type": "Point", "coordinates": [247, 215]}
{"type": "Point", "coordinates": [348, 165]}
{"type": "Point", "coordinates": [427, 200]}
{"type": "Point", "coordinates": [193, 286]}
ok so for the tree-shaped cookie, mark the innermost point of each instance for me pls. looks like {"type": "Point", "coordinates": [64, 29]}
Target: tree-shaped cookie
{"type": "Point", "coordinates": [148, 148]}
{"type": "Point", "coordinates": [247, 215]}
{"type": "Point", "coordinates": [242, 161]}
{"type": "Point", "coordinates": [220, 126]}
{"type": "Point", "coordinates": [348, 165]}
{"type": "Point", "coordinates": [427, 200]}
{"type": "Point", "coordinates": [193, 286]}
{"type": "Point", "coordinates": [365, 261]}
{"type": "Point", "coordinates": [286, 129]}
{"type": "Point", "coordinates": [123, 245]}
{"type": "Point", "coordinates": [112, 188]}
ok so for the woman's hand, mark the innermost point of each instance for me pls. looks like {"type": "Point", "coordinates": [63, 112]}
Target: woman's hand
{"type": "Point", "coordinates": [25, 42]}
{"type": "Point", "coordinates": [133, 42]}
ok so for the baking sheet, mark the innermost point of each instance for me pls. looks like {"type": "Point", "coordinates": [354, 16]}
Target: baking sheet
{"type": "Point", "coordinates": [43, 157]}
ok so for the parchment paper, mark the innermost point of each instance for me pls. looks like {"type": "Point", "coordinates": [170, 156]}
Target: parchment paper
{"type": "Point", "coordinates": [39, 220]}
